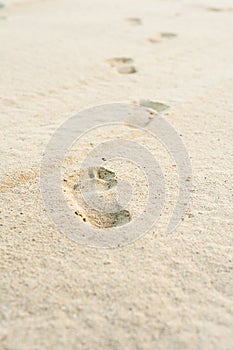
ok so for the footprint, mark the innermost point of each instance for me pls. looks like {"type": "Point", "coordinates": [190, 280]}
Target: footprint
{"type": "Point", "coordinates": [214, 9]}
{"type": "Point", "coordinates": [135, 21]}
{"type": "Point", "coordinates": [90, 183]}
{"type": "Point", "coordinates": [168, 35]}
{"type": "Point", "coordinates": [158, 37]}
{"type": "Point", "coordinates": [219, 9]}
{"type": "Point", "coordinates": [116, 61]}
{"type": "Point", "coordinates": [157, 106]}
{"type": "Point", "coordinates": [123, 65]}
{"type": "Point", "coordinates": [126, 69]}
{"type": "Point", "coordinates": [2, 5]}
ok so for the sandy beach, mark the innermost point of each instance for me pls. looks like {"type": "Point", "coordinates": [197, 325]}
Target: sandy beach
{"type": "Point", "coordinates": [162, 291]}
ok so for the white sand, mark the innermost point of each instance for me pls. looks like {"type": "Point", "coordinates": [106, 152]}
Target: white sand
{"type": "Point", "coordinates": [164, 291]}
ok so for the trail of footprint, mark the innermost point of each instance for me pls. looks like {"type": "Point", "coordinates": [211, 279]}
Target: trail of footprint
{"type": "Point", "coordinates": [123, 65]}
{"type": "Point", "coordinates": [95, 180]}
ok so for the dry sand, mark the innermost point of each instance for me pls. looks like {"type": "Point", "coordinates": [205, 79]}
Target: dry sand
{"type": "Point", "coordinates": [163, 291]}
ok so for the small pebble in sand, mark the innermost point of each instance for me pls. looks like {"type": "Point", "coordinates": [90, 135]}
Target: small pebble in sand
{"type": "Point", "coordinates": [135, 21]}
{"type": "Point", "coordinates": [126, 69]}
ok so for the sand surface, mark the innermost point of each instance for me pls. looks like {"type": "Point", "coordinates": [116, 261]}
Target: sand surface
{"type": "Point", "coordinates": [163, 291]}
